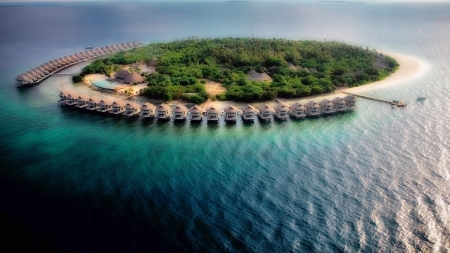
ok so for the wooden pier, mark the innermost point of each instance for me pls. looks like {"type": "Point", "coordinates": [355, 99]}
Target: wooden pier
{"type": "Point", "coordinates": [393, 102]}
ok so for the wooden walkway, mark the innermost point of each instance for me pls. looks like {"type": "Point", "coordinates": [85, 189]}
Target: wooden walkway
{"type": "Point", "coordinates": [62, 74]}
{"type": "Point", "coordinates": [393, 102]}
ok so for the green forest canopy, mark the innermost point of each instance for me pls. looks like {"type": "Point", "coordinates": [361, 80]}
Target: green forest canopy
{"type": "Point", "coordinates": [298, 67]}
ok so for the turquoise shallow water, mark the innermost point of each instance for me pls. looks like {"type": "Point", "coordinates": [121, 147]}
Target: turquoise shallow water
{"type": "Point", "coordinates": [373, 180]}
{"type": "Point", "coordinates": [105, 84]}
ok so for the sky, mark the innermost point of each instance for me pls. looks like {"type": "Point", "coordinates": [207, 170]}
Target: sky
{"type": "Point", "coordinates": [368, 1]}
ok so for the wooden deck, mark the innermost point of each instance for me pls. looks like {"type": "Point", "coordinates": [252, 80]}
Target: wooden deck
{"type": "Point", "coordinates": [393, 102]}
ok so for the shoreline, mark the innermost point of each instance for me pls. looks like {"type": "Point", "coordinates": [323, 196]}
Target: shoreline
{"type": "Point", "coordinates": [409, 68]}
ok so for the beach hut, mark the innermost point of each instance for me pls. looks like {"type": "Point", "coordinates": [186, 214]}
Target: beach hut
{"type": "Point", "coordinates": [71, 98]}
{"type": "Point", "coordinates": [261, 77]}
{"type": "Point", "coordinates": [121, 75]}
{"type": "Point", "coordinates": [133, 77]}
{"type": "Point", "coordinates": [92, 103]}
{"type": "Point", "coordinates": [163, 111]}
{"type": "Point", "coordinates": [249, 113]}
{"type": "Point", "coordinates": [327, 107]}
{"type": "Point", "coordinates": [339, 104]}
{"type": "Point", "coordinates": [180, 112]}
{"type": "Point", "coordinates": [312, 109]}
{"type": "Point", "coordinates": [117, 107]}
{"type": "Point", "coordinates": [147, 110]}
{"type": "Point", "coordinates": [212, 114]}
{"type": "Point", "coordinates": [82, 101]}
{"type": "Point", "coordinates": [282, 111]}
{"type": "Point", "coordinates": [266, 112]}
{"type": "Point", "coordinates": [196, 113]}
{"type": "Point", "coordinates": [350, 102]}
{"type": "Point", "coordinates": [231, 113]}
{"type": "Point", "coordinates": [131, 109]}
{"type": "Point", "coordinates": [104, 105]}
{"type": "Point", "coordinates": [298, 110]}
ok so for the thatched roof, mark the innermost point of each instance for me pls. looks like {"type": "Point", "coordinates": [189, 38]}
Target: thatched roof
{"type": "Point", "coordinates": [71, 94]}
{"type": "Point", "coordinates": [231, 108]}
{"type": "Point", "coordinates": [119, 103]}
{"type": "Point", "coordinates": [197, 109]}
{"type": "Point", "coordinates": [324, 102]}
{"type": "Point", "coordinates": [262, 77]}
{"type": "Point", "coordinates": [350, 98]}
{"type": "Point", "coordinates": [310, 104]}
{"type": "Point", "coordinates": [94, 100]}
{"type": "Point", "coordinates": [132, 105]}
{"type": "Point", "coordinates": [180, 108]}
{"type": "Point", "coordinates": [83, 97]}
{"type": "Point", "coordinates": [153, 62]}
{"type": "Point", "coordinates": [163, 108]}
{"type": "Point", "coordinates": [282, 107]}
{"type": "Point", "coordinates": [313, 70]}
{"type": "Point", "coordinates": [121, 74]}
{"type": "Point", "coordinates": [148, 106]}
{"type": "Point", "coordinates": [212, 110]}
{"type": "Point", "coordinates": [266, 108]}
{"type": "Point", "coordinates": [297, 106]}
{"type": "Point", "coordinates": [251, 72]}
{"type": "Point", "coordinates": [249, 109]}
{"type": "Point", "coordinates": [21, 78]}
{"type": "Point", "coordinates": [133, 77]}
{"type": "Point", "coordinates": [338, 100]}
{"type": "Point", "coordinates": [105, 101]}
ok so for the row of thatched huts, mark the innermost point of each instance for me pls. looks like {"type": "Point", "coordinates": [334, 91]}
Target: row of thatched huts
{"type": "Point", "coordinates": [281, 111]}
{"type": "Point", "coordinates": [45, 70]}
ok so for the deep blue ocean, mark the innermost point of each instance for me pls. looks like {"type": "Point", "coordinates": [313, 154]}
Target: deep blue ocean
{"type": "Point", "coordinates": [375, 180]}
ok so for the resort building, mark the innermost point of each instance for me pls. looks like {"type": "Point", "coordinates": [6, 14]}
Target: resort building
{"type": "Point", "coordinates": [231, 113]}
{"type": "Point", "coordinates": [196, 113]}
{"type": "Point", "coordinates": [339, 104]}
{"type": "Point", "coordinates": [163, 111]}
{"type": "Point", "coordinates": [92, 103]}
{"type": "Point", "coordinates": [282, 111]}
{"type": "Point", "coordinates": [131, 109]}
{"type": "Point", "coordinates": [121, 75]}
{"type": "Point", "coordinates": [104, 105]}
{"type": "Point", "coordinates": [180, 112]}
{"type": "Point", "coordinates": [22, 79]}
{"type": "Point", "coordinates": [327, 107]}
{"type": "Point", "coordinates": [312, 109]}
{"type": "Point", "coordinates": [71, 98]}
{"type": "Point", "coordinates": [133, 77]}
{"type": "Point", "coordinates": [147, 110]}
{"type": "Point", "coordinates": [117, 107]}
{"type": "Point", "coordinates": [249, 113]}
{"type": "Point", "coordinates": [212, 114]}
{"type": "Point", "coordinates": [261, 77]}
{"type": "Point", "coordinates": [63, 97]}
{"type": "Point", "coordinates": [266, 112]}
{"type": "Point", "coordinates": [350, 102]}
{"type": "Point", "coordinates": [82, 101]}
{"type": "Point", "coordinates": [298, 111]}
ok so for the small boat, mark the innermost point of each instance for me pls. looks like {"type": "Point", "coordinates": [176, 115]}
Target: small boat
{"type": "Point", "coordinates": [421, 98]}
{"type": "Point", "coordinates": [90, 47]}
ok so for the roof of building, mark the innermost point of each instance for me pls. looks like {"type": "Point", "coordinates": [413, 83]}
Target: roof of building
{"type": "Point", "coordinates": [197, 109]}
{"type": "Point", "coordinates": [231, 108]}
{"type": "Point", "coordinates": [282, 106]}
{"type": "Point", "coordinates": [266, 108]}
{"type": "Point", "coordinates": [119, 102]}
{"type": "Point", "coordinates": [83, 97]}
{"type": "Point", "coordinates": [148, 106]}
{"type": "Point", "coordinates": [163, 107]}
{"type": "Point", "coordinates": [212, 109]}
{"type": "Point", "coordinates": [180, 108]}
{"type": "Point", "coordinates": [350, 98]}
{"type": "Point", "coordinates": [324, 102]}
{"type": "Point", "coordinates": [249, 108]}
{"type": "Point", "coordinates": [310, 103]}
{"type": "Point", "coordinates": [94, 99]}
{"type": "Point", "coordinates": [262, 77]}
{"type": "Point", "coordinates": [297, 105]}
{"type": "Point", "coordinates": [132, 104]}
{"type": "Point", "coordinates": [133, 77]}
{"type": "Point", "coordinates": [121, 74]}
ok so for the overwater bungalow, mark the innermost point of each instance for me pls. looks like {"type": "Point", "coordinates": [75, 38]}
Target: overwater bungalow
{"type": "Point", "coordinates": [82, 101]}
{"type": "Point", "coordinates": [212, 114]}
{"type": "Point", "coordinates": [339, 104]}
{"type": "Point", "coordinates": [249, 113]}
{"type": "Point", "coordinates": [266, 112]}
{"type": "Point", "coordinates": [131, 109]}
{"type": "Point", "coordinates": [92, 103]}
{"type": "Point", "coordinates": [22, 80]}
{"type": "Point", "coordinates": [147, 111]}
{"type": "Point", "coordinates": [327, 107]}
{"type": "Point", "coordinates": [282, 111]}
{"type": "Point", "coordinates": [231, 113]}
{"type": "Point", "coordinates": [163, 111]}
{"type": "Point", "coordinates": [71, 98]}
{"type": "Point", "coordinates": [298, 111]}
{"type": "Point", "coordinates": [312, 109]}
{"type": "Point", "coordinates": [180, 112]}
{"type": "Point", "coordinates": [350, 102]}
{"type": "Point", "coordinates": [105, 105]}
{"type": "Point", "coordinates": [117, 107]}
{"type": "Point", "coordinates": [196, 113]}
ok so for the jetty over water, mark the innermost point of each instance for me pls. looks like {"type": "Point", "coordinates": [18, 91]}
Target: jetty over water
{"type": "Point", "coordinates": [51, 68]}
{"type": "Point", "coordinates": [393, 102]}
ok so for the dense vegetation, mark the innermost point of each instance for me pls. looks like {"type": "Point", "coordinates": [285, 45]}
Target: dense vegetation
{"type": "Point", "coordinates": [298, 68]}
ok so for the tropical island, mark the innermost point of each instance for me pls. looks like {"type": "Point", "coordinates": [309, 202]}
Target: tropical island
{"type": "Point", "coordinates": [250, 69]}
